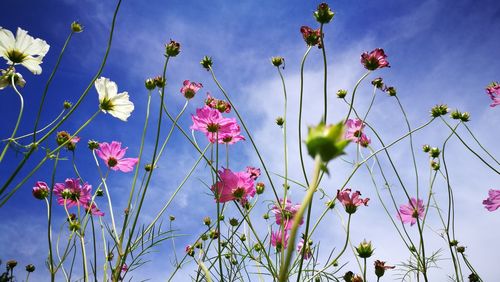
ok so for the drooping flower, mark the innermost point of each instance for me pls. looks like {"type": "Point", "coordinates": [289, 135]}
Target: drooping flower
{"type": "Point", "coordinates": [93, 209]}
{"type": "Point", "coordinates": [113, 155]}
{"type": "Point", "coordinates": [254, 172]}
{"type": "Point", "coordinates": [6, 77]}
{"type": "Point", "coordinates": [40, 190]}
{"type": "Point", "coordinates": [285, 214]}
{"type": "Point", "coordinates": [492, 203]}
{"type": "Point", "coordinates": [304, 249]}
{"type": "Point", "coordinates": [23, 49]}
{"type": "Point", "coordinates": [311, 36]}
{"type": "Point", "coordinates": [355, 133]}
{"type": "Point", "coordinates": [279, 239]}
{"type": "Point", "coordinates": [376, 59]}
{"type": "Point", "coordinates": [350, 201]}
{"type": "Point", "coordinates": [213, 124]}
{"type": "Point", "coordinates": [493, 90]}
{"type": "Point", "coordinates": [410, 212]}
{"type": "Point", "coordinates": [189, 89]}
{"type": "Point", "coordinates": [112, 102]}
{"type": "Point", "coordinates": [72, 193]}
{"type": "Point", "coordinates": [233, 186]}
{"type": "Point", "coordinates": [380, 268]}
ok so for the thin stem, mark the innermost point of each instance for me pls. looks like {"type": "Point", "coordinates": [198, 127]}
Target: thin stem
{"type": "Point", "coordinates": [351, 105]}
{"type": "Point", "coordinates": [20, 115]}
{"type": "Point", "coordinates": [84, 259]}
{"type": "Point", "coordinates": [301, 95]}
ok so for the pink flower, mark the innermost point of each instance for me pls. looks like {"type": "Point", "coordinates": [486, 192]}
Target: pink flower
{"type": "Point", "coordinates": [410, 212]}
{"type": "Point", "coordinates": [113, 154]}
{"type": "Point", "coordinates": [40, 190]}
{"type": "Point", "coordinates": [493, 90]}
{"type": "Point", "coordinates": [72, 193]}
{"type": "Point", "coordinates": [492, 203]}
{"type": "Point", "coordinates": [376, 59]}
{"type": "Point", "coordinates": [124, 267]}
{"type": "Point", "coordinates": [311, 36]}
{"type": "Point", "coordinates": [305, 252]}
{"type": "Point", "coordinates": [189, 89]}
{"type": "Point", "coordinates": [351, 201]}
{"type": "Point", "coordinates": [279, 240]}
{"type": "Point", "coordinates": [189, 250]}
{"type": "Point", "coordinates": [254, 172]}
{"type": "Point", "coordinates": [286, 213]}
{"type": "Point", "coordinates": [355, 133]}
{"type": "Point", "coordinates": [232, 136]}
{"type": "Point", "coordinates": [220, 105]}
{"type": "Point", "coordinates": [92, 209]}
{"type": "Point", "coordinates": [234, 186]}
{"type": "Point", "coordinates": [213, 124]}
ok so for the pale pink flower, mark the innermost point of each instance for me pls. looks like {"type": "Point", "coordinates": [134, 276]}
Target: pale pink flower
{"type": "Point", "coordinates": [189, 89]}
{"type": "Point", "coordinates": [113, 156]}
{"type": "Point", "coordinates": [354, 132]}
{"type": "Point", "coordinates": [72, 193]}
{"type": "Point", "coordinates": [286, 213]}
{"type": "Point", "coordinates": [492, 203]}
{"type": "Point", "coordinates": [410, 212]}
{"type": "Point", "coordinates": [213, 124]}
{"type": "Point", "coordinates": [234, 186]}
{"type": "Point", "coordinates": [40, 190]}
{"type": "Point", "coordinates": [279, 240]}
{"type": "Point", "coordinates": [351, 201]}
{"type": "Point", "coordinates": [305, 252]}
{"type": "Point", "coordinates": [493, 90]}
{"type": "Point", "coordinates": [254, 172]}
{"type": "Point", "coordinates": [364, 140]}
{"type": "Point", "coordinates": [376, 59]}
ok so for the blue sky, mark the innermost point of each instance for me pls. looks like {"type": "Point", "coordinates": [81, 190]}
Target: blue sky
{"type": "Point", "coordinates": [439, 51]}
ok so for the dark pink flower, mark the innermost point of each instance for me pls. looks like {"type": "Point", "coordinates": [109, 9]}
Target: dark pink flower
{"type": "Point", "coordinates": [113, 156]}
{"type": "Point", "coordinates": [492, 203]}
{"type": "Point", "coordinates": [234, 186]}
{"type": "Point", "coordinates": [220, 105]}
{"type": "Point", "coordinates": [493, 90]}
{"type": "Point", "coordinates": [304, 251]}
{"type": "Point", "coordinates": [124, 267]}
{"type": "Point", "coordinates": [254, 172]}
{"type": "Point", "coordinates": [376, 59]}
{"type": "Point", "coordinates": [40, 190]}
{"type": "Point", "coordinates": [92, 209]}
{"type": "Point", "coordinates": [189, 89]}
{"type": "Point", "coordinates": [311, 36]}
{"type": "Point", "coordinates": [285, 214]}
{"type": "Point", "coordinates": [279, 240]}
{"type": "Point", "coordinates": [213, 124]}
{"type": "Point", "coordinates": [72, 193]}
{"type": "Point", "coordinates": [354, 132]}
{"type": "Point", "coordinates": [410, 212]}
{"type": "Point", "coordinates": [351, 201]}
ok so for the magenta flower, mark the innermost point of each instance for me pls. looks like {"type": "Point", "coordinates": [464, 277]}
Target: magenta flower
{"type": "Point", "coordinates": [220, 105]}
{"type": "Point", "coordinates": [40, 190]}
{"type": "Point", "coordinates": [304, 251]}
{"type": "Point", "coordinates": [354, 132]}
{"type": "Point", "coordinates": [213, 124]}
{"type": "Point", "coordinates": [72, 193]}
{"type": "Point", "coordinates": [189, 89]}
{"type": "Point", "coordinates": [286, 213]}
{"type": "Point", "coordinates": [92, 209]}
{"type": "Point", "coordinates": [350, 201]}
{"type": "Point", "coordinates": [232, 136]}
{"type": "Point", "coordinates": [113, 154]}
{"type": "Point", "coordinates": [279, 240]}
{"type": "Point", "coordinates": [254, 172]}
{"type": "Point", "coordinates": [493, 90]}
{"type": "Point", "coordinates": [124, 267]}
{"type": "Point", "coordinates": [410, 212]}
{"type": "Point", "coordinates": [492, 203]}
{"type": "Point", "coordinates": [376, 59]}
{"type": "Point", "coordinates": [234, 186]}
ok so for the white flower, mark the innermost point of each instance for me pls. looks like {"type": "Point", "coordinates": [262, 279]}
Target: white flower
{"type": "Point", "coordinates": [23, 49]}
{"type": "Point", "coordinates": [112, 102]}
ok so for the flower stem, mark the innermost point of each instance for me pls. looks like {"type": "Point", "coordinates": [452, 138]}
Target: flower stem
{"type": "Point", "coordinates": [20, 115]}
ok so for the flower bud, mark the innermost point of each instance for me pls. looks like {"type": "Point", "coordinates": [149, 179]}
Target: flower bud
{"type": "Point", "coordinates": [67, 105]}
{"type": "Point", "coordinates": [150, 84]}
{"type": "Point", "coordinates": [243, 238]}
{"type": "Point", "coordinates": [364, 249]}
{"type": "Point", "coordinates": [30, 268]}
{"type": "Point", "coordinates": [380, 268]}
{"type": "Point", "coordinates": [266, 216]}
{"type": "Point", "coordinates": [206, 62]}
{"type": "Point", "coordinates": [326, 141]}
{"type": "Point", "coordinates": [6, 77]}
{"type": "Point", "coordinates": [171, 217]}
{"type": "Point", "coordinates": [311, 36]}
{"type": "Point", "coordinates": [453, 243]}
{"type": "Point", "coordinates": [74, 225]}
{"type": "Point", "coordinates": [341, 93]}
{"type": "Point", "coordinates": [99, 192]}
{"type": "Point", "coordinates": [223, 243]}
{"type": "Point", "coordinates": [207, 221]}
{"type": "Point", "coordinates": [439, 110]}
{"type": "Point", "coordinates": [173, 48]}
{"type": "Point", "coordinates": [233, 222]}
{"type": "Point", "coordinates": [76, 27]}
{"type": "Point", "coordinates": [465, 117]}
{"type": "Point", "coordinates": [110, 256]}
{"type": "Point", "coordinates": [455, 114]}
{"type": "Point", "coordinates": [93, 145]}
{"type": "Point", "coordinates": [40, 190]}
{"type": "Point", "coordinates": [391, 91]}
{"type": "Point", "coordinates": [62, 137]}
{"type": "Point", "coordinates": [330, 204]}
{"type": "Point", "coordinates": [435, 165]}
{"type": "Point", "coordinates": [148, 167]}
{"type": "Point", "coordinates": [348, 276]}
{"type": "Point", "coordinates": [257, 247]}
{"type": "Point", "coordinates": [204, 237]}
{"type": "Point", "coordinates": [378, 82]}
{"type": "Point", "coordinates": [11, 264]}
{"type": "Point", "coordinates": [221, 217]}
{"type": "Point", "coordinates": [280, 121]}
{"type": "Point", "coordinates": [278, 61]}
{"type": "Point", "coordinates": [461, 249]}
{"type": "Point", "coordinates": [474, 278]}
{"type": "Point", "coordinates": [323, 14]}
{"type": "Point", "coordinates": [259, 188]}
{"type": "Point", "coordinates": [434, 152]}
{"type": "Point", "coordinates": [213, 234]}
{"type": "Point", "coordinates": [190, 250]}
{"type": "Point", "coordinates": [160, 81]}
{"type": "Point", "coordinates": [357, 278]}
{"type": "Point", "coordinates": [426, 148]}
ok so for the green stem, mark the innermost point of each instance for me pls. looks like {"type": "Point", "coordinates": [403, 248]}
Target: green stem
{"type": "Point", "coordinates": [18, 119]}
{"type": "Point", "coordinates": [84, 259]}
{"type": "Point", "coordinates": [351, 105]}
{"type": "Point", "coordinates": [301, 95]}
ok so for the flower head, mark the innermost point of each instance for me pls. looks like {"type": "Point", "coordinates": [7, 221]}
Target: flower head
{"type": "Point", "coordinates": [72, 193]}
{"type": "Point", "coordinates": [492, 203]}
{"type": "Point", "coordinates": [113, 155]}
{"type": "Point", "coordinates": [40, 190]}
{"type": "Point", "coordinates": [304, 249]}
{"type": "Point", "coordinates": [364, 249]}
{"type": "Point", "coordinates": [214, 125]}
{"type": "Point", "coordinates": [376, 59]}
{"type": "Point", "coordinates": [189, 89]}
{"type": "Point", "coordinates": [254, 172]}
{"type": "Point", "coordinates": [311, 36]}
{"type": "Point", "coordinates": [380, 268]}
{"type": "Point", "coordinates": [493, 90]}
{"type": "Point", "coordinates": [355, 133]}
{"type": "Point", "coordinates": [285, 213]}
{"type": "Point", "coordinates": [279, 239]}
{"type": "Point", "coordinates": [173, 48]}
{"type": "Point", "coordinates": [410, 212]}
{"type": "Point", "coordinates": [112, 102]}
{"type": "Point", "coordinates": [233, 186]}
{"type": "Point", "coordinates": [7, 76]}
{"type": "Point", "coordinates": [92, 209]}
{"type": "Point", "coordinates": [23, 49]}
{"type": "Point", "coordinates": [220, 105]}
{"type": "Point", "coordinates": [351, 201]}
{"type": "Point", "coordinates": [232, 136]}
{"type": "Point", "coordinates": [323, 14]}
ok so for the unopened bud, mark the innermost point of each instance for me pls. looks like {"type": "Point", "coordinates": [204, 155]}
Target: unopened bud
{"type": "Point", "coordinates": [426, 148]}
{"type": "Point", "coordinates": [207, 221]}
{"type": "Point", "coordinates": [93, 145]}
{"type": "Point", "coordinates": [206, 62]}
{"type": "Point", "coordinates": [378, 82]}
{"type": "Point", "coordinates": [465, 117]}
{"type": "Point", "coordinates": [233, 222]}
{"type": "Point", "coordinates": [455, 114]}
{"type": "Point", "coordinates": [173, 48]}
{"type": "Point", "coordinates": [259, 188]}
{"type": "Point", "coordinates": [277, 61]}
{"type": "Point", "coordinates": [341, 93]}
{"type": "Point", "coordinates": [434, 152]}
{"type": "Point", "coordinates": [323, 14]}
{"type": "Point", "coordinates": [67, 105]}
{"type": "Point", "coordinates": [391, 91]}
{"type": "Point", "coordinates": [30, 268]}
{"type": "Point", "coordinates": [439, 110]}
{"type": "Point", "coordinates": [150, 84]}
{"type": "Point", "coordinates": [76, 27]}
{"type": "Point", "coordinates": [280, 121]}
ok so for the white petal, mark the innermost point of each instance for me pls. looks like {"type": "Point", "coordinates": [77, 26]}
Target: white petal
{"type": "Point", "coordinates": [100, 86]}
{"type": "Point", "coordinates": [33, 64]}
{"type": "Point", "coordinates": [7, 40]}
{"type": "Point", "coordinates": [38, 47]}
{"type": "Point", "coordinates": [23, 40]}
{"type": "Point", "coordinates": [122, 106]}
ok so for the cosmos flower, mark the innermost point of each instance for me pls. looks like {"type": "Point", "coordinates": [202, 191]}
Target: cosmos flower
{"type": "Point", "coordinates": [354, 132]}
{"type": "Point", "coordinates": [72, 193]}
{"type": "Point", "coordinates": [92, 209]}
{"type": "Point", "coordinates": [40, 190]}
{"type": "Point", "coordinates": [311, 36]}
{"type": "Point", "coordinates": [189, 89]}
{"type": "Point", "coordinates": [493, 90]}
{"type": "Point", "coordinates": [113, 156]}
{"type": "Point", "coordinates": [23, 49]}
{"type": "Point", "coordinates": [232, 136]}
{"type": "Point", "coordinates": [254, 172]}
{"type": "Point", "coordinates": [492, 203]}
{"type": "Point", "coordinates": [220, 105]}
{"type": "Point", "coordinates": [376, 59]}
{"type": "Point", "coordinates": [234, 186]}
{"type": "Point", "coordinates": [213, 124]}
{"type": "Point", "coordinates": [410, 212]}
{"type": "Point", "coordinates": [351, 201]}
{"type": "Point", "coordinates": [279, 240]}
{"type": "Point", "coordinates": [112, 102]}
{"type": "Point", "coordinates": [286, 213]}
{"type": "Point", "coordinates": [304, 251]}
